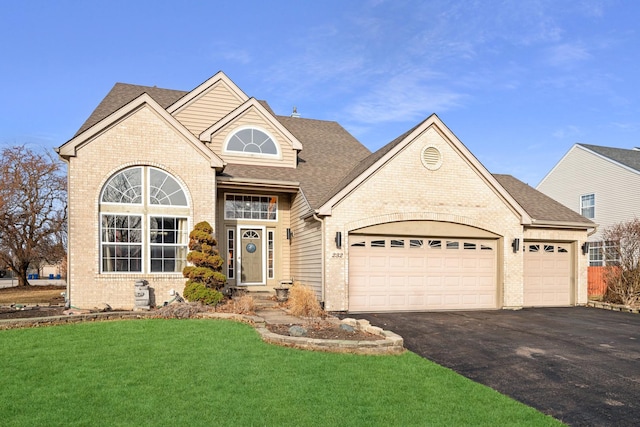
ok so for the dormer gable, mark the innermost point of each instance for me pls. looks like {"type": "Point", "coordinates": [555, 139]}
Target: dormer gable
{"type": "Point", "coordinates": [207, 103]}
{"type": "Point", "coordinates": [251, 135]}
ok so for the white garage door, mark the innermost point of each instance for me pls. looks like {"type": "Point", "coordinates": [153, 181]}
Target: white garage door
{"type": "Point", "coordinates": [417, 273]}
{"type": "Point", "coordinates": [547, 274]}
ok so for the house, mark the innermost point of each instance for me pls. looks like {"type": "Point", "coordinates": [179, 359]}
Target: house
{"type": "Point", "coordinates": [419, 224]}
{"type": "Point", "coordinates": [600, 183]}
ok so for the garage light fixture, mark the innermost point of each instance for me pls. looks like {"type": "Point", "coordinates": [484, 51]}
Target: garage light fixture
{"type": "Point", "coordinates": [338, 239]}
{"type": "Point", "coordinates": [515, 245]}
{"type": "Point", "coordinates": [585, 248]}
{"type": "Point", "coordinates": [289, 234]}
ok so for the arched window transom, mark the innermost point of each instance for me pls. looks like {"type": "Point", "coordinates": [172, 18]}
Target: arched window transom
{"type": "Point", "coordinates": [252, 141]}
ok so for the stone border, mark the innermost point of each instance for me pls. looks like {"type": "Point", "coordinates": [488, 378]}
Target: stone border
{"type": "Point", "coordinates": [390, 344]}
{"type": "Point", "coordinates": [613, 307]}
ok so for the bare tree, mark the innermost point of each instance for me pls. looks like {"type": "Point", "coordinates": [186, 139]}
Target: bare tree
{"type": "Point", "coordinates": [622, 272]}
{"type": "Point", "coordinates": [33, 210]}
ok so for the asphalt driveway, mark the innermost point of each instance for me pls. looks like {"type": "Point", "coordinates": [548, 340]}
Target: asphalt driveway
{"type": "Point", "coordinates": [579, 365]}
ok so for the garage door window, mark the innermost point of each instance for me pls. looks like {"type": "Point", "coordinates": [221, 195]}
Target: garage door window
{"type": "Point", "coordinates": [416, 243]}
{"type": "Point", "coordinates": [453, 245]}
{"type": "Point", "coordinates": [397, 243]}
{"type": "Point", "coordinates": [378, 243]}
{"type": "Point", "coordinates": [435, 244]}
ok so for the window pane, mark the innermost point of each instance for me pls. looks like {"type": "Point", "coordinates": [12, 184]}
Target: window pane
{"type": "Point", "coordinates": [397, 243]}
{"type": "Point", "coordinates": [168, 238]}
{"type": "Point", "coordinates": [587, 205]}
{"type": "Point", "coordinates": [165, 190]}
{"type": "Point", "coordinates": [251, 207]}
{"type": "Point", "coordinates": [124, 187]}
{"type": "Point", "coordinates": [252, 141]}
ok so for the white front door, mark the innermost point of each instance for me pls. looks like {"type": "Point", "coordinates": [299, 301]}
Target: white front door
{"type": "Point", "coordinates": [251, 259]}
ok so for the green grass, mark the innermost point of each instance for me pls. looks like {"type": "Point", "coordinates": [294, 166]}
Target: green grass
{"type": "Point", "coordinates": [209, 372]}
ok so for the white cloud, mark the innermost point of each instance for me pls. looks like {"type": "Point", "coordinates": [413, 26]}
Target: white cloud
{"type": "Point", "coordinates": [403, 97]}
{"type": "Point", "coordinates": [568, 55]}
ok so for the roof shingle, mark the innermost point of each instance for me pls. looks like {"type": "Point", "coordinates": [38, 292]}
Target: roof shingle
{"type": "Point", "coordinates": [539, 206]}
{"type": "Point", "coordinates": [629, 158]}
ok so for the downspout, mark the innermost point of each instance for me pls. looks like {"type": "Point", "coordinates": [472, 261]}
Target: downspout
{"type": "Point", "coordinates": [67, 297]}
{"type": "Point", "coordinates": [322, 258]}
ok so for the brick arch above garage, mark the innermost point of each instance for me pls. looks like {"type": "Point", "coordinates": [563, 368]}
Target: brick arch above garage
{"type": "Point", "coordinates": [422, 223]}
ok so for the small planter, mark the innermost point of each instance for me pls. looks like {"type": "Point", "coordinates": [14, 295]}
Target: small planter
{"type": "Point", "coordinates": [282, 294]}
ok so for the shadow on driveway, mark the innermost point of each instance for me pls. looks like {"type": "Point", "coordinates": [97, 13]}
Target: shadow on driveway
{"type": "Point", "coordinates": [579, 365]}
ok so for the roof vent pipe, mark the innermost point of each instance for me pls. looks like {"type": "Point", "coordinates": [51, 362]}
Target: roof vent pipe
{"type": "Point", "coordinates": [295, 112]}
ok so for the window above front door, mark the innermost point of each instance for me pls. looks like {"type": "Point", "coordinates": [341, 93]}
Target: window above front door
{"type": "Point", "coordinates": [249, 206]}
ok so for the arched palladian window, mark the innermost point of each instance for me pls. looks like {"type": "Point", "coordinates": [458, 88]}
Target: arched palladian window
{"type": "Point", "coordinates": [251, 140]}
{"type": "Point", "coordinates": [143, 222]}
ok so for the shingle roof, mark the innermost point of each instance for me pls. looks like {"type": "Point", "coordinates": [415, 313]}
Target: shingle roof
{"type": "Point", "coordinates": [539, 206]}
{"type": "Point", "coordinates": [123, 93]}
{"type": "Point", "coordinates": [629, 158]}
{"type": "Point", "coordinates": [329, 153]}
{"type": "Point", "coordinates": [332, 158]}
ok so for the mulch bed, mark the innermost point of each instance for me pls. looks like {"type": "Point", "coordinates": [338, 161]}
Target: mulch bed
{"type": "Point", "coordinates": [29, 312]}
{"type": "Point", "coordinates": [327, 331]}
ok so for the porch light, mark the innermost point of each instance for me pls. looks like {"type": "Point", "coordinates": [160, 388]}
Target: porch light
{"type": "Point", "coordinates": [585, 248]}
{"type": "Point", "coordinates": [338, 239]}
{"type": "Point", "coordinates": [289, 234]}
{"type": "Point", "coordinates": [515, 245]}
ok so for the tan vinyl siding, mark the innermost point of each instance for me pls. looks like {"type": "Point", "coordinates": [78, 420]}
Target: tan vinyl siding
{"type": "Point", "coordinates": [254, 118]}
{"type": "Point", "coordinates": [208, 108]}
{"type": "Point", "coordinates": [581, 172]}
{"type": "Point", "coordinates": [306, 247]}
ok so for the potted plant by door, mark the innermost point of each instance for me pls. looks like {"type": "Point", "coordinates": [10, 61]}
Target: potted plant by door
{"type": "Point", "coordinates": [282, 290]}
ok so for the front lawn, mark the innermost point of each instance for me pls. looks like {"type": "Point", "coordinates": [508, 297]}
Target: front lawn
{"type": "Point", "coordinates": [214, 372]}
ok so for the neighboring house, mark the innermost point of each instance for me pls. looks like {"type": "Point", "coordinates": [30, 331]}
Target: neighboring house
{"type": "Point", "coordinates": [599, 182]}
{"type": "Point", "coordinates": [418, 225]}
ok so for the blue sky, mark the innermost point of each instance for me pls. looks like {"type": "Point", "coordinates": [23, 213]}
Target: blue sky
{"type": "Point", "coordinates": [519, 82]}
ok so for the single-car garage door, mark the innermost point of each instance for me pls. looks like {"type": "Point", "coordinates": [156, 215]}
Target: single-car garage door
{"type": "Point", "coordinates": [389, 273]}
{"type": "Point", "coordinates": [547, 274]}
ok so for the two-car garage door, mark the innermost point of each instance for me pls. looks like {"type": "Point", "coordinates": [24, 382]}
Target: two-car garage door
{"type": "Point", "coordinates": [396, 273]}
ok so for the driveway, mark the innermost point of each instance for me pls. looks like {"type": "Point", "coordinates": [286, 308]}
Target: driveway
{"type": "Point", "coordinates": [579, 365]}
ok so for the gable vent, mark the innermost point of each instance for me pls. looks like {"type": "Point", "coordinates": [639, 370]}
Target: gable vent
{"type": "Point", "coordinates": [431, 158]}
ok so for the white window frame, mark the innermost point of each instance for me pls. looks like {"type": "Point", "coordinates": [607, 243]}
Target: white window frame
{"type": "Point", "coordinates": [184, 244]}
{"type": "Point", "coordinates": [231, 259]}
{"type": "Point", "coordinates": [140, 244]}
{"type": "Point", "coordinates": [145, 210]}
{"type": "Point", "coordinates": [591, 197]}
{"type": "Point", "coordinates": [225, 149]}
{"type": "Point", "coordinates": [271, 253]}
{"type": "Point", "coordinates": [277, 207]}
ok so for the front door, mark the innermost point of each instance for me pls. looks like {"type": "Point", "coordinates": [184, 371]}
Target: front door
{"type": "Point", "coordinates": [251, 256]}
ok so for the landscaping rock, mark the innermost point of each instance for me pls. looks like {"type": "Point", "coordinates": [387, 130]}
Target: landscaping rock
{"type": "Point", "coordinates": [347, 328]}
{"type": "Point", "coordinates": [297, 331]}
